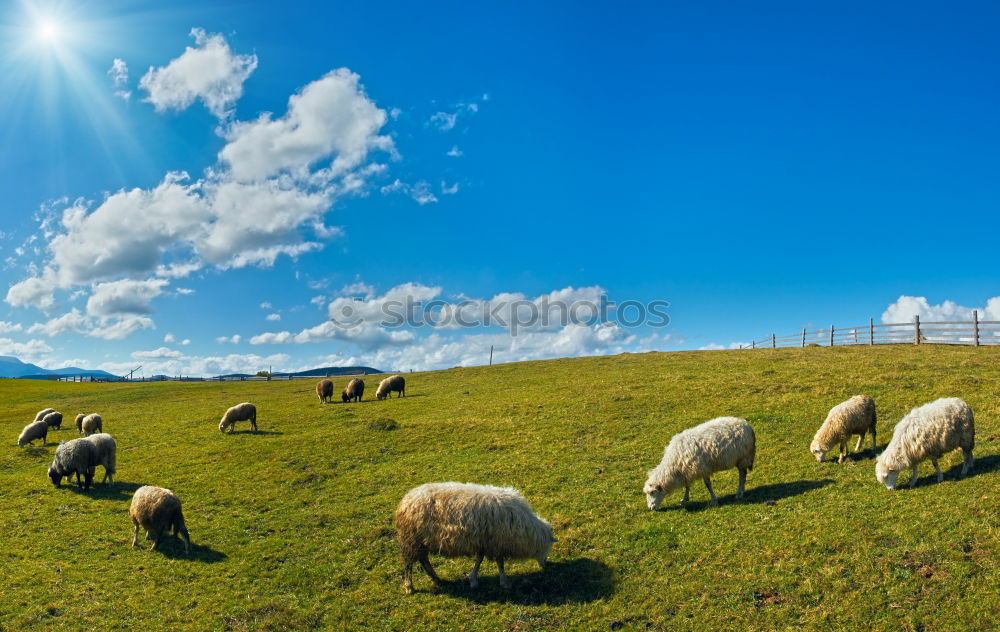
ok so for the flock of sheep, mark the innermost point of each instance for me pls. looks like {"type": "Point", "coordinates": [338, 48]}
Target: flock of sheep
{"type": "Point", "coordinates": [486, 522]}
{"type": "Point", "coordinates": [481, 521]}
{"type": "Point", "coordinates": [155, 509]}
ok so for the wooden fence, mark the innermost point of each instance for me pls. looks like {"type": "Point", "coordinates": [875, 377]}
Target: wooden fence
{"type": "Point", "coordinates": [973, 332]}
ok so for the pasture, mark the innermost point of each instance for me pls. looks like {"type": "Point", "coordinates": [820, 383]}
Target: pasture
{"type": "Point", "coordinates": [292, 529]}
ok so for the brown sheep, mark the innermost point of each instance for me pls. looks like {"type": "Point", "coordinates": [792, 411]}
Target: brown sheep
{"type": "Point", "coordinates": [354, 391]}
{"type": "Point", "coordinates": [240, 412]}
{"type": "Point", "coordinates": [157, 510]}
{"type": "Point", "coordinates": [392, 383]}
{"type": "Point", "coordinates": [324, 390]}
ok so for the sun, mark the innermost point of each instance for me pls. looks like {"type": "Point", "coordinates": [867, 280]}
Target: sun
{"type": "Point", "coordinates": [48, 31]}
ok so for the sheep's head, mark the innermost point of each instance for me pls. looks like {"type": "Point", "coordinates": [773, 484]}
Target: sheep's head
{"type": "Point", "coordinates": [344, 396]}
{"type": "Point", "coordinates": [55, 476]}
{"type": "Point", "coordinates": [546, 545]}
{"type": "Point", "coordinates": [222, 426]}
{"type": "Point", "coordinates": [379, 395]}
{"type": "Point", "coordinates": [817, 450]}
{"type": "Point", "coordinates": [886, 476]}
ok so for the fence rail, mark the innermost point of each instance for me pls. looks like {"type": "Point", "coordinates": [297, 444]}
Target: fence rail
{"type": "Point", "coordinates": [218, 378]}
{"type": "Point", "coordinates": [974, 332]}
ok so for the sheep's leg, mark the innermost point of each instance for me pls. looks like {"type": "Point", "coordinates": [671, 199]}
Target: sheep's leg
{"type": "Point", "coordinates": [135, 533]}
{"type": "Point", "coordinates": [503, 577]}
{"type": "Point", "coordinates": [743, 482]}
{"type": "Point", "coordinates": [843, 451]}
{"type": "Point", "coordinates": [857, 446]}
{"type": "Point", "coordinates": [426, 564]}
{"type": "Point", "coordinates": [913, 478]}
{"type": "Point", "coordinates": [474, 575]}
{"type": "Point", "coordinates": [874, 445]}
{"type": "Point", "coordinates": [967, 461]}
{"type": "Point", "coordinates": [715, 501]}
{"type": "Point", "coordinates": [687, 495]}
{"type": "Point", "coordinates": [156, 540]}
{"type": "Point", "coordinates": [408, 575]}
{"type": "Point", "coordinates": [940, 475]}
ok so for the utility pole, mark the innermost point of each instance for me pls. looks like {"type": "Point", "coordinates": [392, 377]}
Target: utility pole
{"type": "Point", "coordinates": [491, 355]}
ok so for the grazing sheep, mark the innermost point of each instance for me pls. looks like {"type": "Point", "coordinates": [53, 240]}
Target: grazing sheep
{"type": "Point", "coordinates": [79, 422]}
{"type": "Point", "coordinates": [355, 390]}
{"type": "Point", "coordinates": [856, 416]}
{"type": "Point", "coordinates": [720, 444]}
{"type": "Point", "coordinates": [34, 430]}
{"type": "Point", "coordinates": [392, 383]}
{"type": "Point", "coordinates": [324, 390]}
{"type": "Point", "coordinates": [928, 432]}
{"type": "Point", "coordinates": [157, 510]}
{"type": "Point", "coordinates": [91, 423]}
{"type": "Point", "coordinates": [53, 419]}
{"type": "Point", "coordinates": [240, 412]}
{"type": "Point", "coordinates": [106, 454]}
{"type": "Point", "coordinates": [41, 414]}
{"type": "Point", "coordinates": [78, 456]}
{"type": "Point", "coordinates": [457, 520]}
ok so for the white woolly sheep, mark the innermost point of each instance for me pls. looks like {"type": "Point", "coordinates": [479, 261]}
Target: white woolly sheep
{"type": "Point", "coordinates": [77, 456]}
{"type": "Point", "coordinates": [53, 419]}
{"type": "Point", "coordinates": [157, 510]}
{"type": "Point", "coordinates": [459, 520]}
{"type": "Point", "coordinates": [355, 390]}
{"type": "Point", "coordinates": [324, 390]}
{"type": "Point", "coordinates": [928, 432]}
{"type": "Point", "coordinates": [34, 430]}
{"type": "Point", "coordinates": [697, 453]}
{"type": "Point", "coordinates": [79, 422]}
{"type": "Point", "coordinates": [106, 454]}
{"type": "Point", "coordinates": [41, 414]}
{"type": "Point", "coordinates": [856, 416]}
{"type": "Point", "coordinates": [240, 412]}
{"type": "Point", "coordinates": [393, 383]}
{"type": "Point", "coordinates": [91, 423]}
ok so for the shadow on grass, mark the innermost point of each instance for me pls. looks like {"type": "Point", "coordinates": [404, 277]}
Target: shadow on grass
{"type": "Point", "coordinates": [255, 432]}
{"type": "Point", "coordinates": [984, 465]}
{"type": "Point", "coordinates": [38, 450]}
{"type": "Point", "coordinates": [574, 581]}
{"type": "Point", "coordinates": [102, 491]}
{"type": "Point", "coordinates": [173, 547]}
{"type": "Point", "coordinates": [755, 495]}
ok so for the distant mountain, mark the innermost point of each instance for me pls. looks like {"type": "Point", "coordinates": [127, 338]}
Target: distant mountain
{"type": "Point", "coordinates": [333, 371]}
{"type": "Point", "coordinates": [12, 367]}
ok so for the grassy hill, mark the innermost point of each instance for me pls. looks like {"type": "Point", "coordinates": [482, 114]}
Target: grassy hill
{"type": "Point", "coordinates": [292, 527]}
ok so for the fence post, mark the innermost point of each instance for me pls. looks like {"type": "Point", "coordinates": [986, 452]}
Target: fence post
{"type": "Point", "coordinates": [871, 331]}
{"type": "Point", "coordinates": [753, 344]}
{"type": "Point", "coordinates": [975, 327]}
{"type": "Point", "coordinates": [773, 343]}
{"type": "Point", "coordinates": [831, 335]}
{"type": "Point", "coordinates": [803, 336]}
{"type": "Point", "coordinates": [916, 329]}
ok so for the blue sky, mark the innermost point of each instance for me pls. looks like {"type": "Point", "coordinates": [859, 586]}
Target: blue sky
{"type": "Point", "coordinates": [198, 188]}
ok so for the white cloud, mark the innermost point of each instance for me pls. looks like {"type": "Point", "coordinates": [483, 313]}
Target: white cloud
{"type": "Point", "coordinates": [444, 121]}
{"type": "Point", "coordinates": [6, 327]}
{"type": "Point", "coordinates": [318, 301]}
{"type": "Point", "coordinates": [265, 305]}
{"type": "Point", "coordinates": [454, 152]}
{"type": "Point", "coordinates": [330, 117]}
{"type": "Point", "coordinates": [713, 346]}
{"type": "Point", "coordinates": [273, 317]}
{"type": "Point", "coordinates": [124, 297]}
{"type": "Point", "coordinates": [449, 190]}
{"type": "Point", "coordinates": [234, 339]}
{"type": "Point", "coordinates": [121, 328]}
{"type": "Point", "coordinates": [119, 77]}
{"type": "Point", "coordinates": [30, 349]}
{"type": "Point", "coordinates": [906, 307]}
{"type": "Point", "coordinates": [157, 354]}
{"type": "Point", "coordinates": [259, 203]}
{"type": "Point", "coordinates": [209, 72]}
{"type": "Point", "coordinates": [108, 327]}
{"type": "Point", "coordinates": [186, 341]}
{"type": "Point", "coordinates": [190, 365]}
{"type": "Point", "coordinates": [169, 338]}
{"type": "Point", "coordinates": [420, 191]}
{"type": "Point", "coordinates": [185, 291]}
{"type": "Point", "coordinates": [72, 321]}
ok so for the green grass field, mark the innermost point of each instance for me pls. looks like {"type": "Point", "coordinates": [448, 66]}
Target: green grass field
{"type": "Point", "coordinates": [292, 527]}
